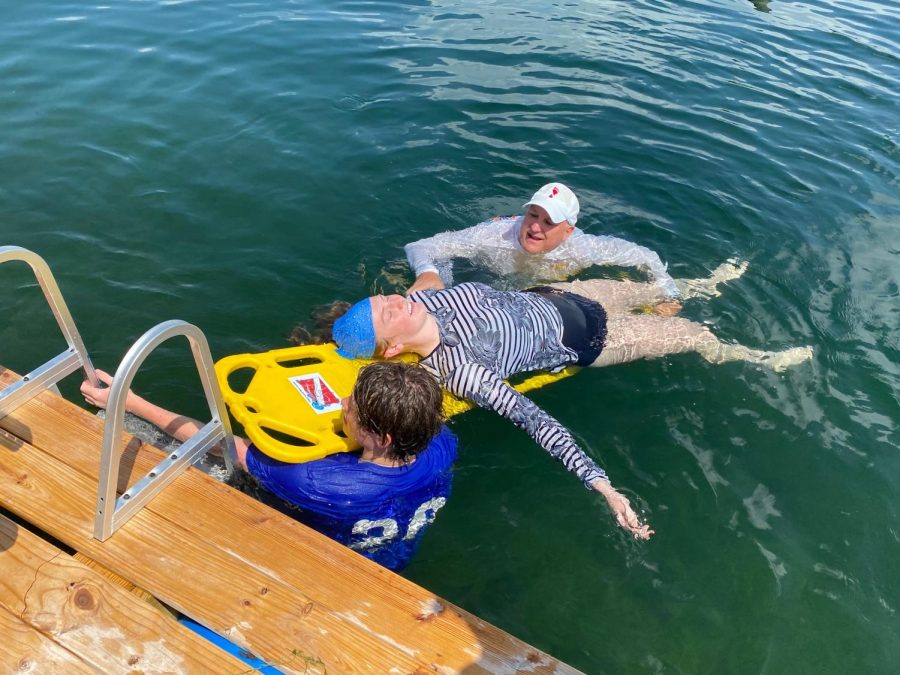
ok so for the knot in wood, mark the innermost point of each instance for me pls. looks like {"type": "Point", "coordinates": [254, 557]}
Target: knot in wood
{"type": "Point", "coordinates": [84, 599]}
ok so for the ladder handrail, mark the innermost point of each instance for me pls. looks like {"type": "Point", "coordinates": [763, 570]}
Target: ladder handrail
{"type": "Point", "coordinates": [112, 513]}
{"type": "Point", "coordinates": [67, 362]}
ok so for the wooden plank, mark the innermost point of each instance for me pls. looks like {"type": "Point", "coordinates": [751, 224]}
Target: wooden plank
{"type": "Point", "coordinates": [122, 582]}
{"type": "Point", "coordinates": [24, 649]}
{"type": "Point", "coordinates": [358, 591]}
{"type": "Point", "coordinates": [104, 625]}
{"type": "Point", "coordinates": [252, 608]}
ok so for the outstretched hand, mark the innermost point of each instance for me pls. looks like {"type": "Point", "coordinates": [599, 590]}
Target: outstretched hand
{"type": "Point", "coordinates": [621, 508]}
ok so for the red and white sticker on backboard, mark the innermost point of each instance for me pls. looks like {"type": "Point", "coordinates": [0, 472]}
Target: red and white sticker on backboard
{"type": "Point", "coordinates": [317, 393]}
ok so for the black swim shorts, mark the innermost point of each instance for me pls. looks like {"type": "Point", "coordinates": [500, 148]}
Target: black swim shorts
{"type": "Point", "coordinates": [584, 322]}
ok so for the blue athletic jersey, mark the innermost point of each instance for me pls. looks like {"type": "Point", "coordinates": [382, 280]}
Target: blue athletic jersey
{"type": "Point", "coordinates": [376, 510]}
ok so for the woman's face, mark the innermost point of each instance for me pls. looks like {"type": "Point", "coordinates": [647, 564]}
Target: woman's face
{"type": "Point", "coordinates": [396, 319]}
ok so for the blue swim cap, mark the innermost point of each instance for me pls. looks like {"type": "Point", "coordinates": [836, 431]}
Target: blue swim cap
{"type": "Point", "coordinates": [355, 333]}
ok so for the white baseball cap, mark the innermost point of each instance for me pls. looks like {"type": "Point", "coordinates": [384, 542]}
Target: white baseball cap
{"type": "Point", "coordinates": [558, 201]}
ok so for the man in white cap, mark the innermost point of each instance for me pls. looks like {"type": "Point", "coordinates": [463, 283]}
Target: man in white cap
{"type": "Point", "coordinates": [541, 245]}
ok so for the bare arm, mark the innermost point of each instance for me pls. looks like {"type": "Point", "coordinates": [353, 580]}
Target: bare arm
{"type": "Point", "coordinates": [180, 427]}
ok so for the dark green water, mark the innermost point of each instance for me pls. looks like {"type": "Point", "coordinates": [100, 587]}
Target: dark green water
{"type": "Point", "coordinates": [235, 164]}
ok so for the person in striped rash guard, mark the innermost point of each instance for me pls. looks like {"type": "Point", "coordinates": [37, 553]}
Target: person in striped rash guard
{"type": "Point", "coordinates": [472, 337]}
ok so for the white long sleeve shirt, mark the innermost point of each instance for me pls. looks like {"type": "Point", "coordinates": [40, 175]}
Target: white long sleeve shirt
{"type": "Point", "coordinates": [494, 244]}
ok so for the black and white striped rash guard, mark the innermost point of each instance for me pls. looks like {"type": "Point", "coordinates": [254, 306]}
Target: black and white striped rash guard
{"type": "Point", "coordinates": [488, 335]}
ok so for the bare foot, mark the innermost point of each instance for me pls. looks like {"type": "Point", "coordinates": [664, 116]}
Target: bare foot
{"type": "Point", "coordinates": [707, 288]}
{"type": "Point", "coordinates": [779, 361]}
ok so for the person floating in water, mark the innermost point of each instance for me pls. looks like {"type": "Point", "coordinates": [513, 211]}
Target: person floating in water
{"type": "Point", "coordinates": [377, 501]}
{"type": "Point", "coordinates": [471, 337]}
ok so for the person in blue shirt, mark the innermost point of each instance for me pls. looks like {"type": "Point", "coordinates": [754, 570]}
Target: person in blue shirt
{"type": "Point", "coordinates": [377, 501]}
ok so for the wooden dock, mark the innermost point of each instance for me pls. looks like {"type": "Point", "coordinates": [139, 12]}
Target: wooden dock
{"type": "Point", "coordinates": [276, 588]}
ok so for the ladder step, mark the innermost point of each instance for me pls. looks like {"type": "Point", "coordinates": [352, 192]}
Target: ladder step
{"type": "Point", "coordinates": [37, 380]}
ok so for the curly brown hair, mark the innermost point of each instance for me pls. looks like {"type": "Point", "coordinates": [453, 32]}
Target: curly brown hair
{"type": "Point", "coordinates": [400, 399]}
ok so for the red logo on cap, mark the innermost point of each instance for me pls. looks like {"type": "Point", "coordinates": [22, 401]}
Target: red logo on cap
{"type": "Point", "coordinates": [554, 192]}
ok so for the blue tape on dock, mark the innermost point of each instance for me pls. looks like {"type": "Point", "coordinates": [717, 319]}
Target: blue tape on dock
{"type": "Point", "coordinates": [230, 647]}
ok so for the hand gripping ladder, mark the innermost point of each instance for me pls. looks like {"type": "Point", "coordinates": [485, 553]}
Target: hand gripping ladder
{"type": "Point", "coordinates": [112, 513]}
{"type": "Point", "coordinates": [73, 358]}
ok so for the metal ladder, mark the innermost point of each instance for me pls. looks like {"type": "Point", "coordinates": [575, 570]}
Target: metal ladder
{"type": "Point", "coordinates": [113, 512]}
{"type": "Point", "coordinates": [47, 375]}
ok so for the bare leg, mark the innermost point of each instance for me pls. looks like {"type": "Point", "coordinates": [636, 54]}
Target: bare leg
{"type": "Point", "coordinates": [633, 337]}
{"type": "Point", "coordinates": [617, 297]}
{"type": "Point", "coordinates": [624, 297]}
